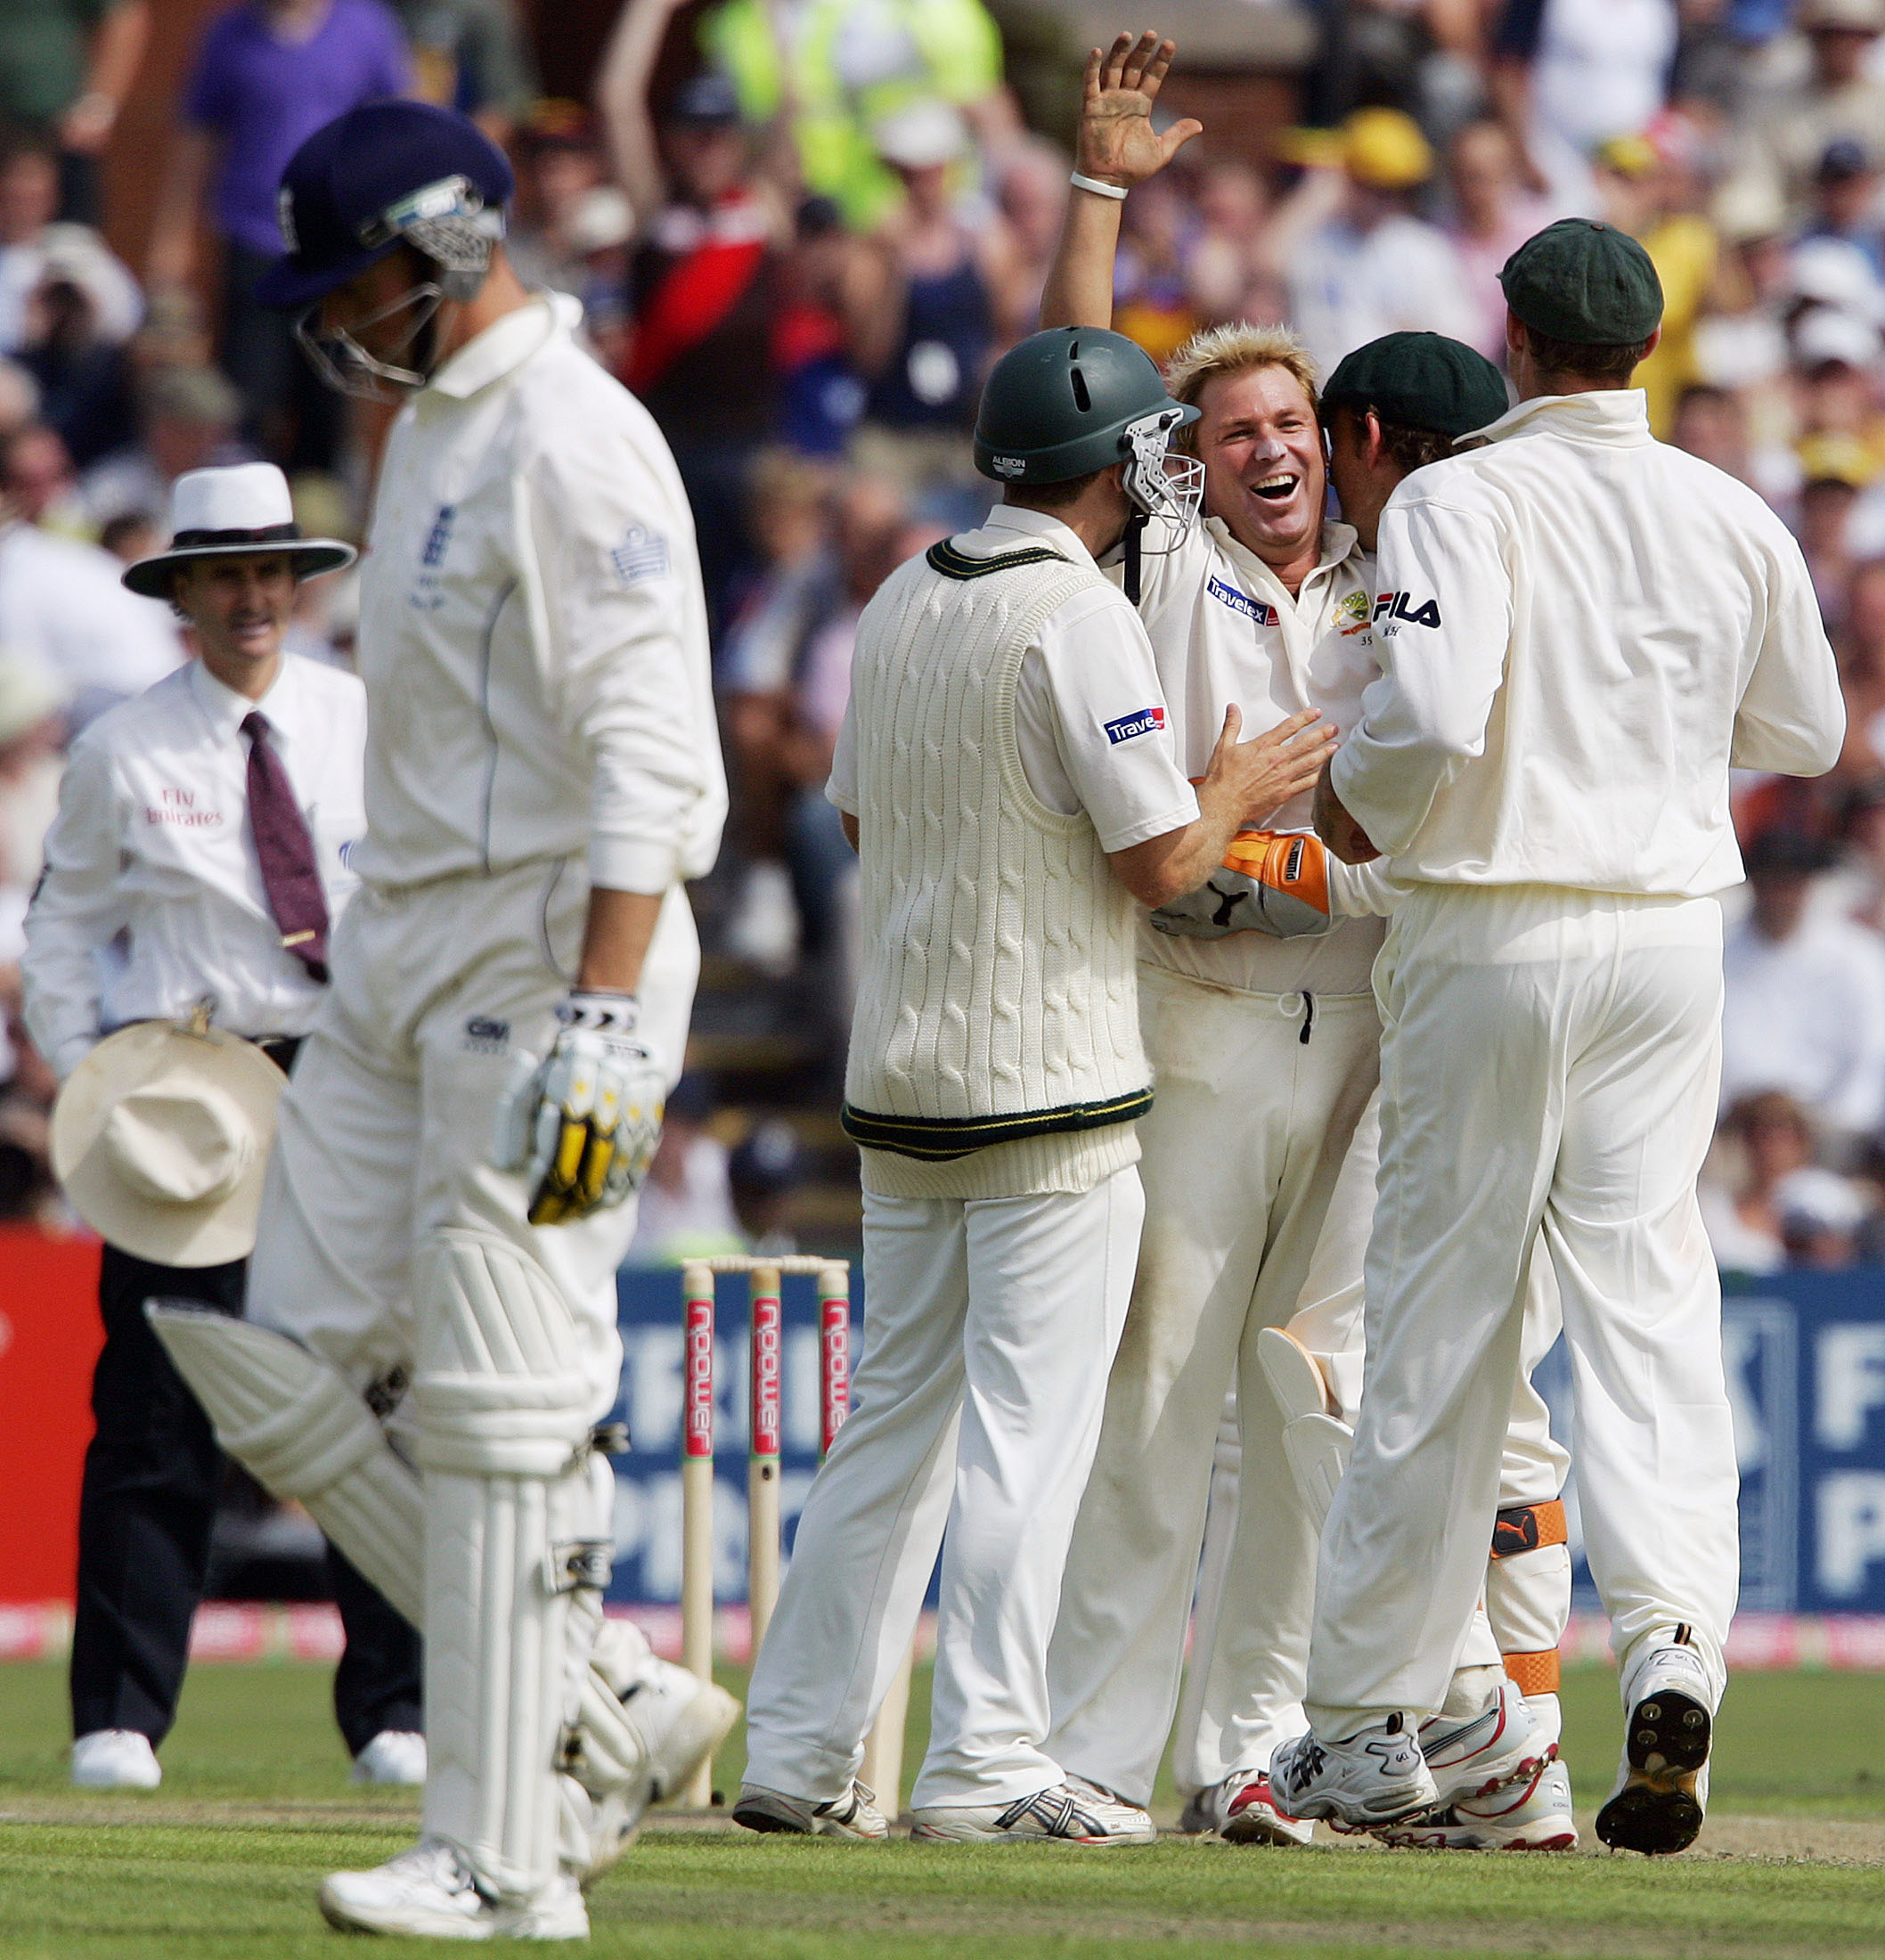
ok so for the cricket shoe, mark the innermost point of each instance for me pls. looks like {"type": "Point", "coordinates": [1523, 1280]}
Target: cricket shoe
{"type": "Point", "coordinates": [395, 1756]}
{"type": "Point", "coordinates": [854, 1814]}
{"type": "Point", "coordinates": [115, 1759]}
{"type": "Point", "coordinates": [1367, 1780]}
{"type": "Point", "coordinates": [429, 1892]}
{"type": "Point", "coordinates": [1531, 1817]}
{"type": "Point", "coordinates": [1074, 1812]}
{"type": "Point", "coordinates": [1251, 1815]}
{"type": "Point", "coordinates": [1480, 1755]}
{"type": "Point", "coordinates": [1661, 1788]}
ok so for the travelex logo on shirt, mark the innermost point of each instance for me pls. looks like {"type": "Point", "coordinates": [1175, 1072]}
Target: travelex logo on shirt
{"type": "Point", "coordinates": [1142, 723]}
{"type": "Point", "coordinates": [1399, 606]}
{"type": "Point", "coordinates": [1241, 603]}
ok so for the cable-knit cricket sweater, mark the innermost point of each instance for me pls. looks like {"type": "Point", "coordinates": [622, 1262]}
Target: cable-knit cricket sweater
{"type": "Point", "coordinates": [995, 1049]}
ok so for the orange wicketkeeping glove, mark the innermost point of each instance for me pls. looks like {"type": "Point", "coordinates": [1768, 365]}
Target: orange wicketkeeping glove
{"type": "Point", "coordinates": [1270, 881]}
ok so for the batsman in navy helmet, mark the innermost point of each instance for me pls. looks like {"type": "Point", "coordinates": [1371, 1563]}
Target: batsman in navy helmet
{"type": "Point", "coordinates": [454, 1184]}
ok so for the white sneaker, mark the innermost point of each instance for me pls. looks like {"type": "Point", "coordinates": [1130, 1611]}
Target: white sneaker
{"type": "Point", "coordinates": [1483, 1753]}
{"type": "Point", "coordinates": [1250, 1815]}
{"type": "Point", "coordinates": [1532, 1816]}
{"type": "Point", "coordinates": [854, 1814]}
{"type": "Point", "coordinates": [115, 1759]}
{"type": "Point", "coordinates": [429, 1892]}
{"type": "Point", "coordinates": [1070, 1815]}
{"type": "Point", "coordinates": [1662, 1786]}
{"type": "Point", "coordinates": [1370, 1779]}
{"type": "Point", "coordinates": [394, 1756]}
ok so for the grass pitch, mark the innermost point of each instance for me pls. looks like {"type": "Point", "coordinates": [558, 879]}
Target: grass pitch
{"type": "Point", "coordinates": [223, 1862]}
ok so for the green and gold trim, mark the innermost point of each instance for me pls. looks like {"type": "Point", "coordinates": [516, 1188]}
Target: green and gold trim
{"type": "Point", "coordinates": [940, 1139]}
{"type": "Point", "coordinates": [946, 558]}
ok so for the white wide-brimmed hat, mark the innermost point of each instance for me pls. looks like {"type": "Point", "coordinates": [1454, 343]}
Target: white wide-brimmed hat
{"type": "Point", "coordinates": [160, 1137]}
{"type": "Point", "coordinates": [239, 511]}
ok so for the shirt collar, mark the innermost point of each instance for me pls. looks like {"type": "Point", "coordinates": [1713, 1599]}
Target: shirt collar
{"type": "Point", "coordinates": [505, 345]}
{"type": "Point", "coordinates": [1036, 524]}
{"type": "Point", "coordinates": [1619, 415]}
{"type": "Point", "coordinates": [227, 709]}
{"type": "Point", "coordinates": [1339, 545]}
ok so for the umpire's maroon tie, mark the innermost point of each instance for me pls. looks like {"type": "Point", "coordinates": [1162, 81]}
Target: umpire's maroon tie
{"type": "Point", "coordinates": [290, 875]}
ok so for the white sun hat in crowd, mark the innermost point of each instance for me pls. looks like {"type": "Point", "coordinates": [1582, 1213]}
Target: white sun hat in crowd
{"type": "Point", "coordinates": [160, 1137]}
{"type": "Point", "coordinates": [238, 511]}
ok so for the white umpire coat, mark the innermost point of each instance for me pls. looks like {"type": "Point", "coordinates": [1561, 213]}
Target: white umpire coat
{"type": "Point", "coordinates": [1510, 742]}
{"type": "Point", "coordinates": [530, 525]}
{"type": "Point", "coordinates": [152, 840]}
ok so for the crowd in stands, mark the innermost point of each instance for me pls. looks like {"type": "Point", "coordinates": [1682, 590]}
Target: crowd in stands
{"type": "Point", "coordinates": [802, 230]}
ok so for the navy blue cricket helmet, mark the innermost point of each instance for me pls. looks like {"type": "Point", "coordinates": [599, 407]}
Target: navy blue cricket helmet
{"type": "Point", "coordinates": [384, 174]}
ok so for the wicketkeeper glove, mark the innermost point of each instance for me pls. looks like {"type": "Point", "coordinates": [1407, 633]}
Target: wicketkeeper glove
{"type": "Point", "coordinates": [1270, 881]}
{"type": "Point", "coordinates": [581, 1125]}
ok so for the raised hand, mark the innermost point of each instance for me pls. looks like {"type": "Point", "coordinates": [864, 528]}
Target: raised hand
{"type": "Point", "coordinates": [1116, 142]}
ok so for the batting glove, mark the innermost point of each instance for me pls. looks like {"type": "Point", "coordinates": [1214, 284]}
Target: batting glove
{"type": "Point", "coordinates": [582, 1126]}
{"type": "Point", "coordinates": [1270, 881]}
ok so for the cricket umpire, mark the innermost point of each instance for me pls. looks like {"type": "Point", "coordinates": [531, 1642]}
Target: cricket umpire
{"type": "Point", "coordinates": [1006, 772]}
{"type": "Point", "coordinates": [450, 1193]}
{"type": "Point", "coordinates": [1545, 762]}
{"type": "Point", "coordinates": [207, 821]}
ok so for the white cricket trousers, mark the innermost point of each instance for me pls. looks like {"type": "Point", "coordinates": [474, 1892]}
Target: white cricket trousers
{"type": "Point", "coordinates": [1549, 1065]}
{"type": "Point", "coordinates": [388, 1126]}
{"type": "Point", "coordinates": [988, 1327]}
{"type": "Point", "coordinates": [1242, 1150]}
{"type": "Point", "coordinates": [1227, 1721]}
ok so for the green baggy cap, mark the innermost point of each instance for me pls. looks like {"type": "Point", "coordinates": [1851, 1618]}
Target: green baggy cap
{"type": "Point", "coordinates": [1584, 281]}
{"type": "Point", "coordinates": [1419, 380]}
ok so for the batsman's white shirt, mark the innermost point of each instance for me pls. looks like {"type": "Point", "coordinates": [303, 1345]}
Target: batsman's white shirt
{"type": "Point", "coordinates": [152, 840]}
{"type": "Point", "coordinates": [530, 524]}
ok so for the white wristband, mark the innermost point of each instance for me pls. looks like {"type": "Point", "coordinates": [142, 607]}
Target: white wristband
{"type": "Point", "coordinates": [1115, 191]}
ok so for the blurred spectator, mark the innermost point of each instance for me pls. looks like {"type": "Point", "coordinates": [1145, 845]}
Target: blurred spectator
{"type": "Point", "coordinates": [1781, 1208]}
{"type": "Point", "coordinates": [1375, 268]}
{"type": "Point", "coordinates": [821, 284]}
{"type": "Point", "coordinates": [1710, 424]}
{"type": "Point", "coordinates": [32, 246]}
{"type": "Point", "coordinates": [1152, 290]}
{"type": "Point", "coordinates": [470, 55]}
{"type": "Point", "coordinates": [785, 680]}
{"type": "Point", "coordinates": [946, 294]}
{"type": "Point", "coordinates": [131, 537]}
{"type": "Point", "coordinates": [1568, 75]}
{"type": "Point", "coordinates": [65, 67]}
{"type": "Point", "coordinates": [1804, 1006]}
{"type": "Point", "coordinates": [560, 166]}
{"type": "Point", "coordinates": [83, 373]}
{"type": "Point", "coordinates": [1835, 469]}
{"type": "Point", "coordinates": [1648, 185]}
{"type": "Point", "coordinates": [1832, 95]}
{"type": "Point", "coordinates": [1493, 214]}
{"type": "Point", "coordinates": [38, 481]}
{"type": "Point", "coordinates": [268, 74]}
{"type": "Point", "coordinates": [704, 293]}
{"type": "Point", "coordinates": [764, 1173]}
{"type": "Point", "coordinates": [686, 1205]}
{"type": "Point", "coordinates": [1031, 192]}
{"type": "Point", "coordinates": [1845, 200]}
{"type": "Point", "coordinates": [190, 420]}
{"type": "Point", "coordinates": [839, 68]}
{"type": "Point", "coordinates": [63, 611]}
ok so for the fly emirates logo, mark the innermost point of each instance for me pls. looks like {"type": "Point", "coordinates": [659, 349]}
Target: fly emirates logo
{"type": "Point", "coordinates": [180, 809]}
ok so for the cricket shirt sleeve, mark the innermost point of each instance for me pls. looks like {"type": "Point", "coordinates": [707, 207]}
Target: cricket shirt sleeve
{"type": "Point", "coordinates": [1111, 731]}
{"type": "Point", "coordinates": [1442, 642]}
{"type": "Point", "coordinates": [1792, 717]}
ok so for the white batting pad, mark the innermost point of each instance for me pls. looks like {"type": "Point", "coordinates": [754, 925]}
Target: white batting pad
{"type": "Point", "coordinates": [297, 1424]}
{"type": "Point", "coordinates": [1528, 1598]}
{"type": "Point", "coordinates": [511, 1537]}
{"type": "Point", "coordinates": [1317, 1448]}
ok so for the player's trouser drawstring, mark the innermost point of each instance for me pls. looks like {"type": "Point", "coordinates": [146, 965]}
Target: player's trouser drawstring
{"type": "Point", "coordinates": [1308, 1017]}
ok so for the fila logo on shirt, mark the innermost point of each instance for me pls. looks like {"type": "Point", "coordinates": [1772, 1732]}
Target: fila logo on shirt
{"type": "Point", "coordinates": [1399, 606]}
{"type": "Point", "coordinates": [1253, 609]}
{"type": "Point", "coordinates": [1144, 722]}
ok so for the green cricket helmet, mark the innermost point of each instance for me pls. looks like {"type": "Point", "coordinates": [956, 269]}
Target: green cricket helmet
{"type": "Point", "coordinates": [1076, 399]}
